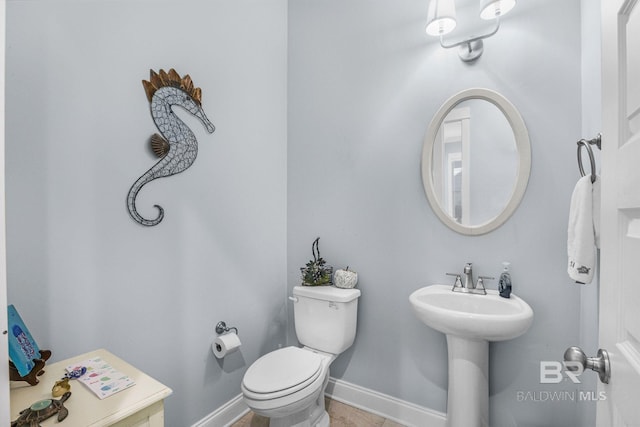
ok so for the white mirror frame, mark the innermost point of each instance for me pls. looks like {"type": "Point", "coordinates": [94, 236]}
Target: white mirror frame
{"type": "Point", "coordinates": [523, 147]}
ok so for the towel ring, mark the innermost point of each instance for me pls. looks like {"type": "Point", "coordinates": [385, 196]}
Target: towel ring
{"type": "Point", "coordinates": [597, 141]}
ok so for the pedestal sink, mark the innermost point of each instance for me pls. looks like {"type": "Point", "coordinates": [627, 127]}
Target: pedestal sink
{"type": "Point", "coordinates": [470, 321]}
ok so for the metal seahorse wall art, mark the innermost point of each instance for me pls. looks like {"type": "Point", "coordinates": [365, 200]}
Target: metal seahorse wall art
{"type": "Point", "coordinates": [176, 145]}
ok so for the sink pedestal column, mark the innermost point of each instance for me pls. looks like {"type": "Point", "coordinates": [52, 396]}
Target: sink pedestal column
{"type": "Point", "coordinates": [468, 395]}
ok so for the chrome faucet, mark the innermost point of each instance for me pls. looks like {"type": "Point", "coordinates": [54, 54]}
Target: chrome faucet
{"type": "Point", "coordinates": [468, 277]}
{"type": "Point", "coordinates": [467, 284]}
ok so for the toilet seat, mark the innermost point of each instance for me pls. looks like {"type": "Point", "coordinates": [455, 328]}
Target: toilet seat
{"type": "Point", "coordinates": [281, 373]}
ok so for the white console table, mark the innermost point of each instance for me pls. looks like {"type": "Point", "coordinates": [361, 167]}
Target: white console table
{"type": "Point", "coordinates": [141, 405]}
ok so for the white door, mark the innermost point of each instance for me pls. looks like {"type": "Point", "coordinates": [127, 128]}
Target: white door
{"type": "Point", "coordinates": [620, 226]}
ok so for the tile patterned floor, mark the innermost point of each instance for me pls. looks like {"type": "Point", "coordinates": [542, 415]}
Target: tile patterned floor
{"type": "Point", "coordinates": [341, 416]}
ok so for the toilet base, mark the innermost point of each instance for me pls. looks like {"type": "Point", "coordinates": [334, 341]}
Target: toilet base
{"type": "Point", "coordinates": [323, 421]}
{"type": "Point", "coordinates": [314, 415]}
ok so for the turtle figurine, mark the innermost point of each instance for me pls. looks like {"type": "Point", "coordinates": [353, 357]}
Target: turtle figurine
{"type": "Point", "coordinates": [42, 410]}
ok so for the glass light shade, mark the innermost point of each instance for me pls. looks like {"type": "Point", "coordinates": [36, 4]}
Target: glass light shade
{"type": "Point", "coordinates": [441, 18]}
{"type": "Point", "coordinates": [490, 9]}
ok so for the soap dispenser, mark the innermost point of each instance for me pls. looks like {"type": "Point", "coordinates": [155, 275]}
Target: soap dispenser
{"type": "Point", "coordinates": [504, 284]}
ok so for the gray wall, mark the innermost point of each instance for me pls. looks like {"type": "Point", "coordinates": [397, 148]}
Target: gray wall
{"type": "Point", "coordinates": [82, 273]}
{"type": "Point", "coordinates": [364, 82]}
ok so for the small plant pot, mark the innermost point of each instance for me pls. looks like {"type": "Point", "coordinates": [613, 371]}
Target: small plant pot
{"type": "Point", "coordinates": [316, 272]}
{"type": "Point", "coordinates": [317, 275]}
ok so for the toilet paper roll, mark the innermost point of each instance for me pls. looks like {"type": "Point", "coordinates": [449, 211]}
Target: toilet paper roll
{"type": "Point", "coordinates": [225, 344]}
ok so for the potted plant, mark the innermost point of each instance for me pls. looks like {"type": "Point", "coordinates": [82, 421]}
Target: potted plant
{"type": "Point", "coordinates": [316, 272]}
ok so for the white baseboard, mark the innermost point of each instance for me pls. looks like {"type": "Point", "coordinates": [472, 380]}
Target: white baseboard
{"type": "Point", "coordinates": [369, 400]}
{"type": "Point", "coordinates": [225, 415]}
{"type": "Point", "coordinates": [384, 405]}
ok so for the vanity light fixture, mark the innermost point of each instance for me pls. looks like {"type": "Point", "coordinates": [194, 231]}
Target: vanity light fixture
{"type": "Point", "coordinates": [441, 20]}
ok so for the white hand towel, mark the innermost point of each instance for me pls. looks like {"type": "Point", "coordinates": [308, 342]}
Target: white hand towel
{"type": "Point", "coordinates": [596, 210]}
{"type": "Point", "coordinates": [581, 239]}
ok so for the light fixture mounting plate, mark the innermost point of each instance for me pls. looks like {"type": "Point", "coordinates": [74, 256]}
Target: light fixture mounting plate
{"type": "Point", "coordinates": [471, 51]}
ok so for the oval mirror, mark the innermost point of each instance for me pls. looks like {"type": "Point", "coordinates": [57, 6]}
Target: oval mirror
{"type": "Point", "coordinates": [476, 160]}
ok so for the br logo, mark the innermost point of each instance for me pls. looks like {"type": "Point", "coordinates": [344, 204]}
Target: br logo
{"type": "Point", "coordinates": [553, 372]}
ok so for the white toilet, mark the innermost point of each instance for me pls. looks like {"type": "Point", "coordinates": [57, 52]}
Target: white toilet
{"type": "Point", "coordinates": [287, 385]}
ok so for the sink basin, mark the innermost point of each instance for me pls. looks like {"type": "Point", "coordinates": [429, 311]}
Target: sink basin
{"type": "Point", "coordinates": [482, 317]}
{"type": "Point", "coordinates": [470, 321]}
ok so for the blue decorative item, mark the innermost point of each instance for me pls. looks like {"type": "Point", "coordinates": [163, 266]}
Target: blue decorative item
{"type": "Point", "coordinates": [177, 146]}
{"type": "Point", "coordinates": [26, 359]}
{"type": "Point", "coordinates": [23, 349]}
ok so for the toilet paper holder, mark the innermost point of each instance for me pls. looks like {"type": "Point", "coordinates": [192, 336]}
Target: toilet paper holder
{"type": "Point", "coordinates": [221, 328]}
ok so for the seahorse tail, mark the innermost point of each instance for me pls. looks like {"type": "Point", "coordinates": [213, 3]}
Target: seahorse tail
{"type": "Point", "coordinates": [131, 205]}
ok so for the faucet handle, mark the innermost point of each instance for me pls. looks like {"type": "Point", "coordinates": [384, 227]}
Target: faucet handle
{"type": "Point", "coordinates": [480, 283]}
{"type": "Point", "coordinates": [458, 282]}
{"type": "Point", "coordinates": [481, 279]}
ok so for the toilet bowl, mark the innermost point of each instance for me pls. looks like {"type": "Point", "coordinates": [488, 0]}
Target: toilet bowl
{"type": "Point", "coordinates": [288, 384]}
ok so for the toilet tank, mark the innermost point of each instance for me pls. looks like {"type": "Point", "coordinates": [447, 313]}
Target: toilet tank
{"type": "Point", "coordinates": [325, 317]}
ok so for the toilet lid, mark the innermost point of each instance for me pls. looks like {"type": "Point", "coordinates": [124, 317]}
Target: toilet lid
{"type": "Point", "coordinates": [283, 369]}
